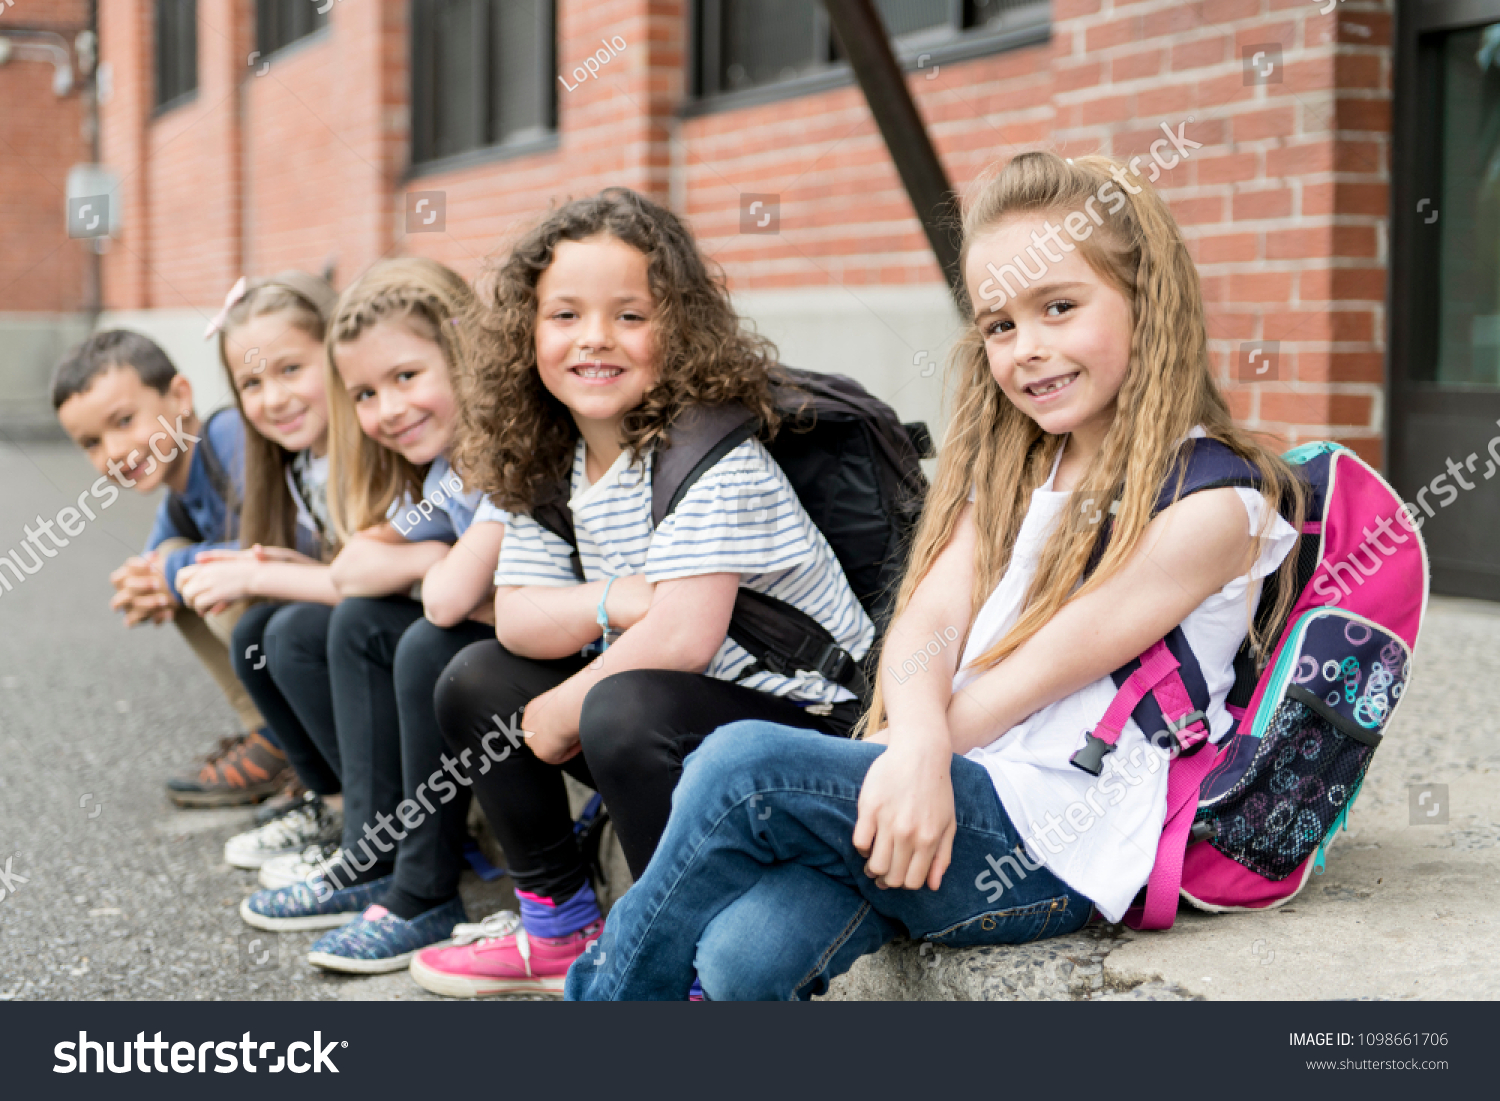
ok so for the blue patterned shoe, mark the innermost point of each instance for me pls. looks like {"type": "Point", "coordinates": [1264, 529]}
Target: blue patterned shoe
{"type": "Point", "coordinates": [310, 905]}
{"type": "Point", "coordinates": [380, 941]}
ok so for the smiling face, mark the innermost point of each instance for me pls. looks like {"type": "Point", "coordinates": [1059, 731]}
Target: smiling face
{"type": "Point", "coordinates": [1059, 349]}
{"type": "Point", "coordinates": [278, 371]}
{"type": "Point", "coordinates": [401, 390]}
{"type": "Point", "coordinates": [595, 348]}
{"type": "Point", "coordinates": [119, 419]}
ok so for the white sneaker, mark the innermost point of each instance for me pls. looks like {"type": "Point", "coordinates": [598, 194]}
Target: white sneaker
{"type": "Point", "coordinates": [309, 822]}
{"type": "Point", "coordinates": [283, 871]}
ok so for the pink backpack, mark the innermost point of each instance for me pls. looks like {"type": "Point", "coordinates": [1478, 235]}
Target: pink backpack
{"type": "Point", "coordinates": [1249, 819]}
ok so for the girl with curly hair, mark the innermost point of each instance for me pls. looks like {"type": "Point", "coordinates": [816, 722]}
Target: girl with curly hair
{"type": "Point", "coordinates": [601, 332]}
{"type": "Point", "coordinates": [972, 814]}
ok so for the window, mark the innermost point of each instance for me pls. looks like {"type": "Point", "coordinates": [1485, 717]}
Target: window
{"type": "Point", "coordinates": [279, 23]}
{"type": "Point", "coordinates": [483, 75]}
{"type": "Point", "coordinates": [748, 43]}
{"type": "Point", "coordinates": [176, 51]}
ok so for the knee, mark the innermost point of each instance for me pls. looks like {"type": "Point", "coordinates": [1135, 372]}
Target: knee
{"type": "Point", "coordinates": [348, 626]}
{"type": "Point", "coordinates": [619, 716]}
{"type": "Point", "coordinates": [465, 690]}
{"type": "Point", "coordinates": [738, 748]}
{"type": "Point", "coordinates": [294, 638]}
{"type": "Point", "coordinates": [420, 656]}
{"type": "Point", "coordinates": [247, 643]}
{"type": "Point", "coordinates": [731, 969]}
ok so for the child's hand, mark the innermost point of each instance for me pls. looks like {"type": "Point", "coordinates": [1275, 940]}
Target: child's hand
{"type": "Point", "coordinates": [629, 601]}
{"type": "Point", "coordinates": [142, 592]}
{"type": "Point", "coordinates": [208, 587]}
{"type": "Point", "coordinates": [906, 822]}
{"type": "Point", "coordinates": [546, 735]}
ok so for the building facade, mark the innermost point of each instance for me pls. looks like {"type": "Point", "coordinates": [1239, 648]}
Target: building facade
{"type": "Point", "coordinates": [254, 135]}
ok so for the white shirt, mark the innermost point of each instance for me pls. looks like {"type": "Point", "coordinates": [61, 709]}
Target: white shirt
{"type": "Point", "coordinates": [741, 516]}
{"type": "Point", "coordinates": [1099, 834]}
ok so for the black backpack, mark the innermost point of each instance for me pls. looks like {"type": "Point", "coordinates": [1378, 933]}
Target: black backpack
{"type": "Point", "coordinates": [857, 471]}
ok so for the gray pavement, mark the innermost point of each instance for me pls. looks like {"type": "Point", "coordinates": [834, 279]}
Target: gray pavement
{"type": "Point", "coordinates": [125, 897]}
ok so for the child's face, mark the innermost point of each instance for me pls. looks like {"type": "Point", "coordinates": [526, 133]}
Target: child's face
{"type": "Point", "coordinates": [595, 349]}
{"type": "Point", "coordinates": [125, 427]}
{"type": "Point", "coordinates": [1059, 348]}
{"type": "Point", "coordinates": [278, 371]}
{"type": "Point", "coordinates": [401, 390]}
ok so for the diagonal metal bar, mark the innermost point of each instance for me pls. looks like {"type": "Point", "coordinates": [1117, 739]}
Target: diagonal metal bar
{"type": "Point", "coordinates": [862, 36]}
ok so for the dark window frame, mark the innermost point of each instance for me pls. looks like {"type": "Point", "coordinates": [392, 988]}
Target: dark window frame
{"type": "Point", "coordinates": [481, 113]}
{"type": "Point", "coordinates": [943, 44]}
{"type": "Point", "coordinates": [283, 23]}
{"type": "Point", "coordinates": [175, 61]}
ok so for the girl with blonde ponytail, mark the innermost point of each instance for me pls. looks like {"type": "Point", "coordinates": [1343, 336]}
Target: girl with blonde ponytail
{"type": "Point", "coordinates": [1058, 543]}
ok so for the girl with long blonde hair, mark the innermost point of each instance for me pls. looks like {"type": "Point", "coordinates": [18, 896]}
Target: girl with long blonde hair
{"type": "Point", "coordinates": [395, 343]}
{"type": "Point", "coordinates": [1055, 547]}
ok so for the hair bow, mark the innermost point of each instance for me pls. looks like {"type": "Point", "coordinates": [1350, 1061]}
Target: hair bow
{"type": "Point", "coordinates": [236, 293]}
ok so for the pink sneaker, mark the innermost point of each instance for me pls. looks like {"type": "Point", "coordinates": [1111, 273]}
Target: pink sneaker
{"type": "Point", "coordinates": [498, 956]}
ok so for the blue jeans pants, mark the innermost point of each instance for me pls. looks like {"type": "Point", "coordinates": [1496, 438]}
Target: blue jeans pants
{"type": "Point", "coordinates": [757, 888]}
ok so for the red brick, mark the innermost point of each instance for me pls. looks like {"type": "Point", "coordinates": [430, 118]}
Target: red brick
{"type": "Point", "coordinates": [1340, 367]}
{"type": "Point", "coordinates": [1267, 286]}
{"type": "Point", "coordinates": [1268, 203]}
{"type": "Point", "coordinates": [1302, 408]}
{"type": "Point", "coordinates": [1276, 122]}
{"type": "Point", "coordinates": [1319, 325]}
{"type": "Point", "coordinates": [1342, 284]}
{"type": "Point", "coordinates": [1196, 55]}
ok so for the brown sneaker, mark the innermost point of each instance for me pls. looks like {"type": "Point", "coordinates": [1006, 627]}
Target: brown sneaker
{"type": "Point", "coordinates": [241, 771]}
{"type": "Point", "coordinates": [289, 796]}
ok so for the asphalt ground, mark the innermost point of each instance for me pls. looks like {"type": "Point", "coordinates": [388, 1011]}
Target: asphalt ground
{"type": "Point", "coordinates": [110, 892]}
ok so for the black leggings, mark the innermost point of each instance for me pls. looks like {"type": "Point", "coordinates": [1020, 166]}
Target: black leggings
{"type": "Point", "coordinates": [275, 644]}
{"type": "Point", "coordinates": [636, 729]}
{"type": "Point", "coordinates": [382, 662]}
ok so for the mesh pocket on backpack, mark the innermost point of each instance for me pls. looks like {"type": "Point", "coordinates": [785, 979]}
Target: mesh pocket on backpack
{"type": "Point", "coordinates": [1304, 775]}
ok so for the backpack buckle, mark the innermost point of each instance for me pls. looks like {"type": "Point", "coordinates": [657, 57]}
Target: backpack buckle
{"type": "Point", "coordinates": [1186, 748]}
{"type": "Point", "coordinates": [834, 663]}
{"type": "Point", "coordinates": [1090, 758]}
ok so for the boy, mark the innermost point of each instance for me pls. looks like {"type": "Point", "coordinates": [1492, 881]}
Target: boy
{"type": "Point", "coordinates": [121, 399]}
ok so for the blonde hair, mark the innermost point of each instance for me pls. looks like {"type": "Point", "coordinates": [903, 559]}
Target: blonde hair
{"type": "Point", "coordinates": [434, 303]}
{"type": "Point", "coordinates": [1002, 455]}
{"type": "Point", "coordinates": [268, 515]}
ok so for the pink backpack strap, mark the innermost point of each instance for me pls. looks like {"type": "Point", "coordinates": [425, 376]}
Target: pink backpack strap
{"type": "Point", "coordinates": [1187, 727]}
{"type": "Point", "coordinates": [1158, 676]}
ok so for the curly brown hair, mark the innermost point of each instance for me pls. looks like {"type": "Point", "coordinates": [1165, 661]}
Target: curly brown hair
{"type": "Point", "coordinates": [515, 441]}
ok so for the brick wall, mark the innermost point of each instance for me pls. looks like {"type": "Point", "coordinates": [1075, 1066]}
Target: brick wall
{"type": "Point", "coordinates": [41, 137]}
{"type": "Point", "coordinates": [1284, 205]}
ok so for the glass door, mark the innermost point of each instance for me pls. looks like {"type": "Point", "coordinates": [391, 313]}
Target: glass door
{"type": "Point", "coordinates": [1444, 388]}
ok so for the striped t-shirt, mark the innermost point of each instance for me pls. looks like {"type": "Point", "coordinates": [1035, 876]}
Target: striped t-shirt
{"type": "Point", "coordinates": [741, 516]}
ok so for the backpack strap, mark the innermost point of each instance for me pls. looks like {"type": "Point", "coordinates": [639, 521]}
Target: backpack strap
{"type": "Point", "coordinates": [785, 640]}
{"type": "Point", "coordinates": [218, 478]}
{"type": "Point", "coordinates": [700, 437]}
{"type": "Point", "coordinates": [554, 514]}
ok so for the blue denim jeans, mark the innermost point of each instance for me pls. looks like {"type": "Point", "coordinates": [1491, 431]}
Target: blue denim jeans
{"type": "Point", "coordinates": [757, 889]}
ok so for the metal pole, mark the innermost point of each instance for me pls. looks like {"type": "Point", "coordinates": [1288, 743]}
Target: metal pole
{"type": "Point", "coordinates": [865, 43]}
